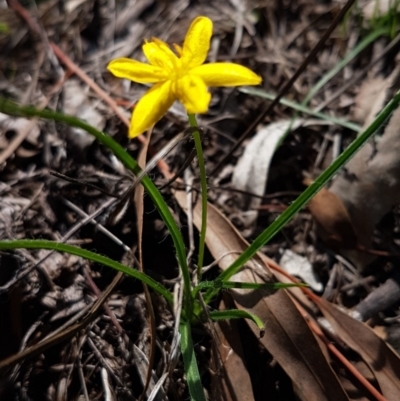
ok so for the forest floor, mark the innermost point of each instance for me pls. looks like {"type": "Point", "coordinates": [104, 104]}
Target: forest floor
{"type": "Point", "coordinates": [345, 245]}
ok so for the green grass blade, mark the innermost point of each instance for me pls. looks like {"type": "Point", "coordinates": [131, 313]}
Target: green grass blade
{"type": "Point", "coordinates": [342, 63]}
{"type": "Point", "coordinates": [95, 257]}
{"type": "Point", "coordinates": [226, 285]}
{"type": "Point", "coordinates": [338, 67]}
{"type": "Point", "coordinates": [11, 108]}
{"type": "Point", "coordinates": [190, 364]}
{"type": "Point", "coordinates": [306, 196]}
{"type": "Point", "coordinates": [324, 80]}
{"type": "Point", "coordinates": [302, 109]}
{"type": "Point", "coordinates": [236, 314]}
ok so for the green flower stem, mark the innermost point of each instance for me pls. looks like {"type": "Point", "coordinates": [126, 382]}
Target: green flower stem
{"type": "Point", "coordinates": [203, 182]}
{"type": "Point", "coordinates": [306, 196]}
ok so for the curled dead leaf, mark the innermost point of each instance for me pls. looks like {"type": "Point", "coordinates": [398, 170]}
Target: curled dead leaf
{"type": "Point", "coordinates": [333, 223]}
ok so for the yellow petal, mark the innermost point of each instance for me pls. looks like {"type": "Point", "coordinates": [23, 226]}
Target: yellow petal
{"type": "Point", "coordinates": [197, 42]}
{"type": "Point", "coordinates": [226, 74]}
{"type": "Point", "coordinates": [178, 49]}
{"type": "Point", "coordinates": [192, 93]}
{"type": "Point", "coordinates": [151, 107]}
{"type": "Point", "coordinates": [136, 71]}
{"type": "Point", "coordinates": [159, 54]}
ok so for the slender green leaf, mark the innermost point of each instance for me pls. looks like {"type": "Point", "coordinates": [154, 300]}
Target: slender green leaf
{"type": "Point", "coordinates": [95, 257]}
{"type": "Point", "coordinates": [306, 196]}
{"type": "Point", "coordinates": [337, 68]}
{"type": "Point", "coordinates": [342, 63]}
{"type": "Point", "coordinates": [11, 108]}
{"type": "Point", "coordinates": [302, 109]}
{"type": "Point", "coordinates": [224, 285]}
{"type": "Point", "coordinates": [323, 81]}
{"type": "Point", "coordinates": [190, 364]}
{"type": "Point", "coordinates": [236, 314]}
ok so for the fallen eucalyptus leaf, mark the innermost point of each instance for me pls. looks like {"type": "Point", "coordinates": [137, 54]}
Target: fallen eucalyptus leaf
{"type": "Point", "coordinates": [287, 336]}
{"type": "Point", "coordinates": [251, 171]}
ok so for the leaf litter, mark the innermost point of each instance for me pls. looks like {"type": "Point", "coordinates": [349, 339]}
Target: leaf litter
{"type": "Point", "coordinates": [288, 362]}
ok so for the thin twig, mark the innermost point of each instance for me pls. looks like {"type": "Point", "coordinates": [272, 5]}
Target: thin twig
{"type": "Point", "coordinates": [82, 378]}
{"type": "Point", "coordinates": [102, 360]}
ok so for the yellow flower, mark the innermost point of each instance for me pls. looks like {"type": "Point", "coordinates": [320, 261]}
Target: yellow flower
{"type": "Point", "coordinates": [183, 77]}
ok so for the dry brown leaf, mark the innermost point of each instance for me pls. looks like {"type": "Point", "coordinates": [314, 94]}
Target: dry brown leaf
{"type": "Point", "coordinates": [381, 359]}
{"type": "Point", "coordinates": [232, 378]}
{"type": "Point", "coordinates": [333, 223]}
{"type": "Point", "coordinates": [287, 336]}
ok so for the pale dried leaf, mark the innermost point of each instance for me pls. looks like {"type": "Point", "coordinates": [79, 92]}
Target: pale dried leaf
{"type": "Point", "coordinates": [18, 125]}
{"type": "Point", "coordinates": [142, 365]}
{"type": "Point", "coordinates": [77, 104]}
{"type": "Point", "coordinates": [251, 171]}
{"type": "Point", "coordinates": [378, 8]}
{"type": "Point", "coordinates": [139, 206]}
{"type": "Point", "coordinates": [299, 266]}
{"type": "Point", "coordinates": [370, 99]}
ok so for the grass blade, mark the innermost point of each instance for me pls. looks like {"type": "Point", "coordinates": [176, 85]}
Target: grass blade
{"type": "Point", "coordinates": [225, 285]}
{"type": "Point", "coordinates": [305, 197]}
{"type": "Point", "coordinates": [95, 257]}
{"type": "Point", "coordinates": [237, 314]}
{"type": "Point", "coordinates": [341, 64]}
{"type": "Point", "coordinates": [11, 108]}
{"type": "Point", "coordinates": [302, 108]}
{"type": "Point", "coordinates": [190, 364]}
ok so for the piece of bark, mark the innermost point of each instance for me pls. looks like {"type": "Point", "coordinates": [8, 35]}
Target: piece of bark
{"type": "Point", "coordinates": [380, 299]}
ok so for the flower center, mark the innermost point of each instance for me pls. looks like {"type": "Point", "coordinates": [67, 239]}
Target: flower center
{"type": "Point", "coordinates": [178, 72]}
